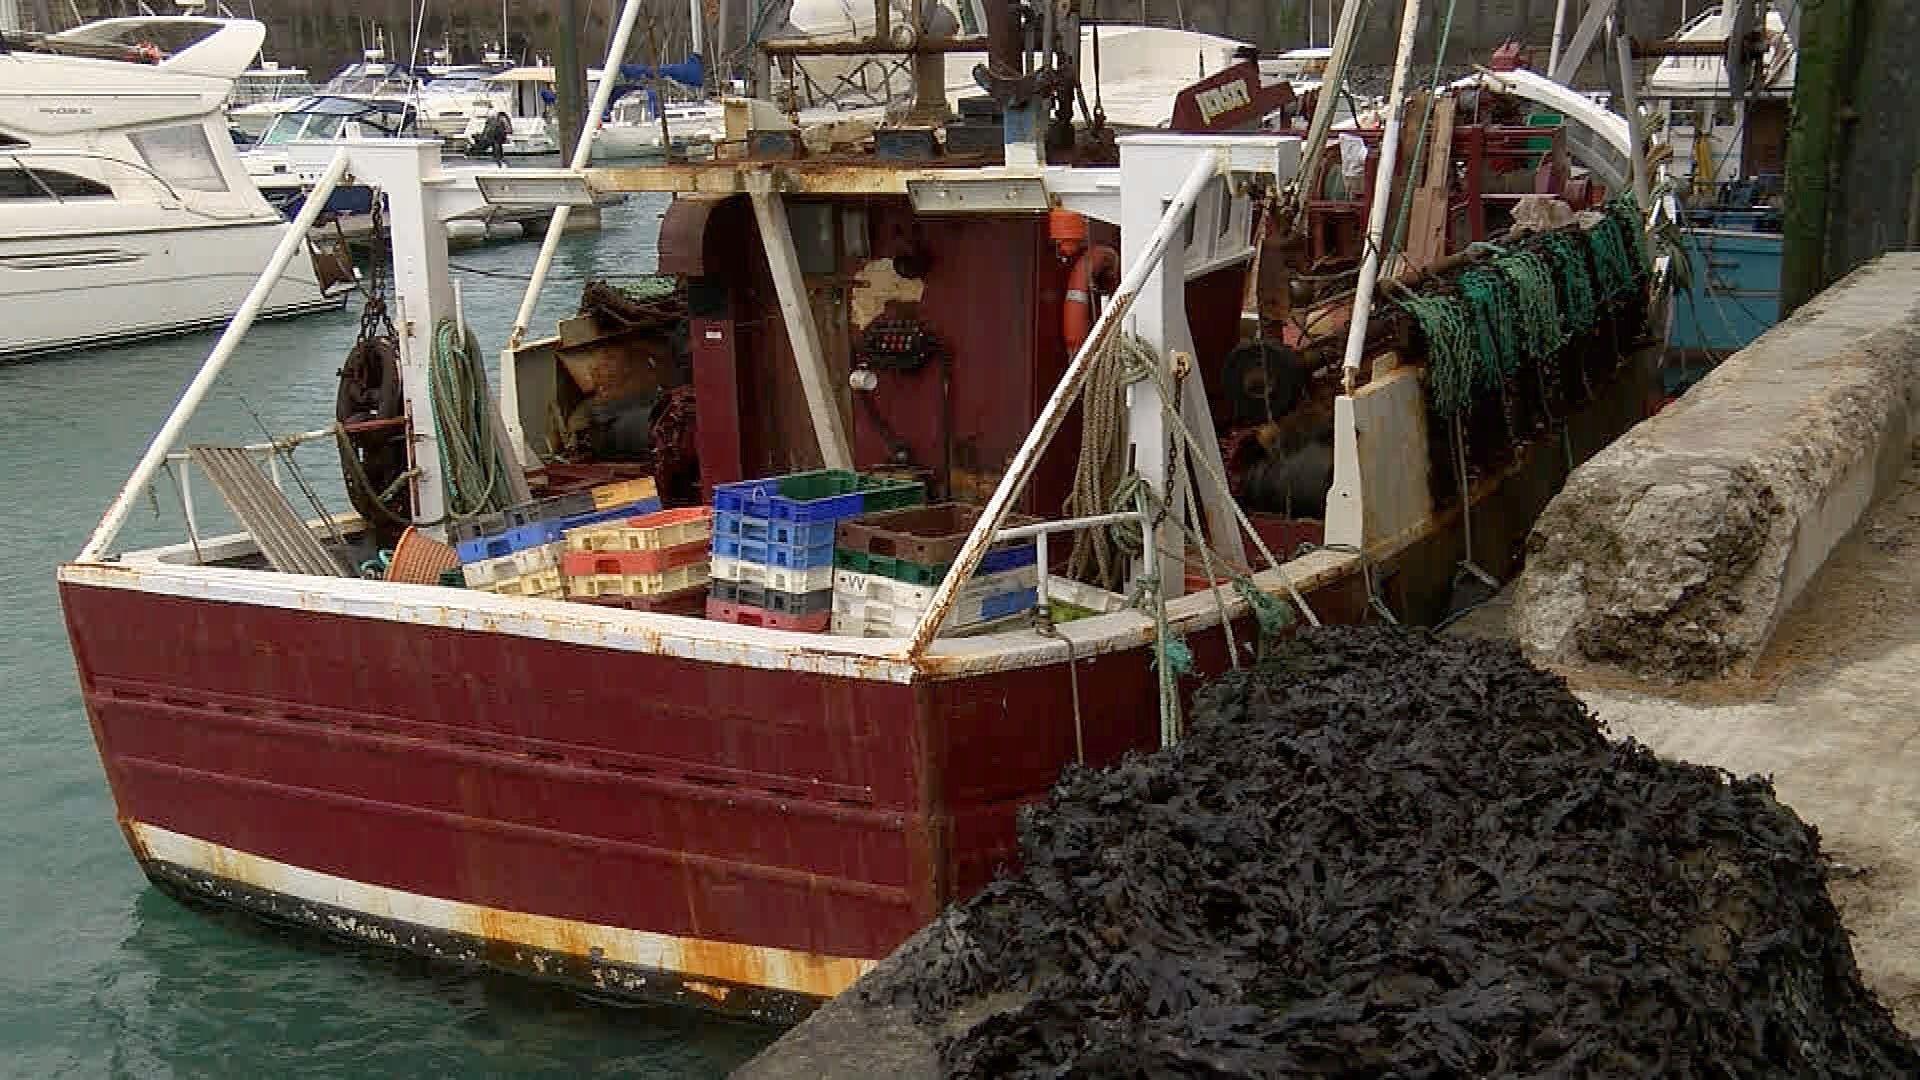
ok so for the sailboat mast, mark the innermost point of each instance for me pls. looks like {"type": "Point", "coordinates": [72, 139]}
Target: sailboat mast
{"type": "Point", "coordinates": [697, 22]}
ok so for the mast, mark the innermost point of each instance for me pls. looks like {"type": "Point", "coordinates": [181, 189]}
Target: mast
{"type": "Point", "coordinates": [697, 22]}
{"type": "Point", "coordinates": [1382, 195]}
{"type": "Point", "coordinates": [570, 78]}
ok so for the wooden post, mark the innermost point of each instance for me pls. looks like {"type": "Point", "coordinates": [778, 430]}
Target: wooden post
{"type": "Point", "coordinates": [1819, 95]}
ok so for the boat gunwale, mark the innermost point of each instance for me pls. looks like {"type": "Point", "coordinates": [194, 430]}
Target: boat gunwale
{"type": "Point", "coordinates": [679, 636]}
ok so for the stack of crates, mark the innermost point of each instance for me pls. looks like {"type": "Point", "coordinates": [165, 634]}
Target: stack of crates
{"type": "Point", "coordinates": [656, 562]}
{"type": "Point", "coordinates": [888, 566]}
{"type": "Point", "coordinates": [773, 543]}
{"type": "Point", "coordinates": [516, 552]}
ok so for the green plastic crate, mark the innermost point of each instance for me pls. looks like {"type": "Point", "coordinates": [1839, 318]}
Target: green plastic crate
{"type": "Point", "coordinates": [886, 493]}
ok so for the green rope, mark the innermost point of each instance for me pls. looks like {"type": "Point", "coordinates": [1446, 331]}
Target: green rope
{"type": "Point", "coordinates": [473, 471]}
{"type": "Point", "coordinates": [1537, 311]}
{"type": "Point", "coordinates": [1579, 309]}
{"type": "Point", "coordinates": [1490, 302]}
{"type": "Point", "coordinates": [1450, 350]}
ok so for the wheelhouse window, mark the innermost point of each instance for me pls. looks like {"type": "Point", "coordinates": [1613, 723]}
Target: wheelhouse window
{"type": "Point", "coordinates": [20, 184]}
{"type": "Point", "coordinates": [181, 156]}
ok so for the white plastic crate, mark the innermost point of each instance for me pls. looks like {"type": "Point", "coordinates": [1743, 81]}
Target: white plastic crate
{"type": "Point", "coordinates": [856, 585]}
{"type": "Point", "coordinates": [658, 531]}
{"type": "Point", "coordinates": [773, 577]}
{"type": "Point", "coordinates": [540, 583]}
{"type": "Point", "coordinates": [848, 626]}
{"type": "Point", "coordinates": [490, 572]}
{"type": "Point", "coordinates": [864, 617]}
{"type": "Point", "coordinates": [591, 586]}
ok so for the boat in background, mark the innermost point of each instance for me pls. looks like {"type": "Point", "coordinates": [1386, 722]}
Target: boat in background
{"type": "Point", "coordinates": [125, 211]}
{"type": "Point", "coordinates": [258, 91]}
{"type": "Point", "coordinates": [1727, 152]}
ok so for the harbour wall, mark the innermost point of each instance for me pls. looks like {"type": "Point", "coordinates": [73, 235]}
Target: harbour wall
{"type": "Point", "coordinates": [1673, 554]}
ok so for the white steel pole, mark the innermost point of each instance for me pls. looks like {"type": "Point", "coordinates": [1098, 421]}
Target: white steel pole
{"type": "Point", "coordinates": [291, 242]}
{"type": "Point", "coordinates": [1382, 195]}
{"type": "Point", "coordinates": [582, 154]}
{"type": "Point", "coordinates": [1064, 395]}
{"type": "Point", "coordinates": [1559, 35]}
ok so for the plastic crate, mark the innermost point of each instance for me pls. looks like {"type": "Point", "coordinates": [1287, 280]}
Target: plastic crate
{"type": "Point", "coordinates": [876, 618]}
{"type": "Point", "coordinates": [784, 603]}
{"type": "Point", "coordinates": [773, 577]}
{"type": "Point", "coordinates": [847, 626]}
{"type": "Point", "coordinates": [818, 496]}
{"type": "Point", "coordinates": [640, 489]}
{"type": "Point", "coordinates": [590, 586]}
{"type": "Point", "coordinates": [690, 601]}
{"type": "Point", "coordinates": [519, 538]}
{"type": "Point", "coordinates": [893, 591]}
{"type": "Point", "coordinates": [791, 533]}
{"type": "Point", "coordinates": [882, 493]}
{"type": "Point", "coordinates": [602, 517]}
{"type": "Point", "coordinates": [576, 563]}
{"type": "Point", "coordinates": [658, 531]}
{"type": "Point", "coordinates": [768, 553]}
{"type": "Point", "coordinates": [453, 579]}
{"type": "Point", "coordinates": [929, 535]}
{"type": "Point", "coordinates": [740, 614]}
{"type": "Point", "coordinates": [821, 495]}
{"type": "Point", "coordinates": [538, 585]}
{"type": "Point", "coordinates": [996, 561]}
{"type": "Point", "coordinates": [552, 508]}
{"type": "Point", "coordinates": [516, 564]}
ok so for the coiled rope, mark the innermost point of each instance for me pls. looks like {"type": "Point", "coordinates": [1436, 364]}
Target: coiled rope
{"type": "Point", "coordinates": [473, 471]}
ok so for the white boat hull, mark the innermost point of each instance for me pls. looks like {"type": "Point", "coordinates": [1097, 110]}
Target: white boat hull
{"type": "Point", "coordinates": [80, 290]}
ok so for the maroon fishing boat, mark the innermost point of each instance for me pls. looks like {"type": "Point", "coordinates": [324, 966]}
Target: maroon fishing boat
{"type": "Point", "coordinates": [1139, 344]}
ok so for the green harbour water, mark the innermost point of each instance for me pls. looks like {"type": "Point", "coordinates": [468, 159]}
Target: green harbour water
{"type": "Point", "coordinates": [100, 973]}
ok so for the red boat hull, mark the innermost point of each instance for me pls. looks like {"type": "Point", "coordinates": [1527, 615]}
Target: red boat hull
{"type": "Point", "coordinates": [732, 810]}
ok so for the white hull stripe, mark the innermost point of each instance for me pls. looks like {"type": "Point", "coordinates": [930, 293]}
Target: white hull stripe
{"type": "Point", "coordinates": [785, 970]}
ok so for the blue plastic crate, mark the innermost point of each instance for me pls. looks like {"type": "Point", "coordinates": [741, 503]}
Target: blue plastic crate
{"type": "Point", "coordinates": [506, 543]}
{"type": "Point", "coordinates": [535, 533]}
{"type": "Point", "coordinates": [820, 495]}
{"type": "Point", "coordinates": [793, 533]}
{"type": "Point", "coordinates": [1000, 560]}
{"type": "Point", "coordinates": [1008, 603]}
{"type": "Point", "coordinates": [774, 553]}
{"type": "Point", "coordinates": [612, 513]}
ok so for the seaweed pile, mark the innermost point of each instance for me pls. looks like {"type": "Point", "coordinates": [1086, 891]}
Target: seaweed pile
{"type": "Point", "coordinates": [1391, 854]}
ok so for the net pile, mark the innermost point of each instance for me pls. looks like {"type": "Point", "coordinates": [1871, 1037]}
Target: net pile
{"type": "Point", "coordinates": [1390, 854]}
{"type": "Point", "coordinates": [1520, 307]}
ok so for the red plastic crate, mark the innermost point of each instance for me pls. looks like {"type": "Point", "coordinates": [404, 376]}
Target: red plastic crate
{"type": "Point", "coordinates": [743, 615]}
{"type": "Point", "coordinates": [658, 561]}
{"type": "Point", "coordinates": [692, 601]}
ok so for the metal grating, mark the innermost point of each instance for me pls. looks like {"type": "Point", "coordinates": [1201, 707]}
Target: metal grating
{"type": "Point", "coordinates": [288, 544]}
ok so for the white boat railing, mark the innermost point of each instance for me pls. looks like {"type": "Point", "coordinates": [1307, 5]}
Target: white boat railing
{"type": "Point", "coordinates": [291, 243]}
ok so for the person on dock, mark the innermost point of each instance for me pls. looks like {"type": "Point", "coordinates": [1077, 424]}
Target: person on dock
{"type": "Point", "coordinates": [497, 131]}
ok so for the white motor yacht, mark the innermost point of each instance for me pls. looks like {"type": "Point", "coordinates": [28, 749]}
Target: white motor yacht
{"type": "Point", "coordinates": [260, 92]}
{"type": "Point", "coordinates": [124, 209]}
